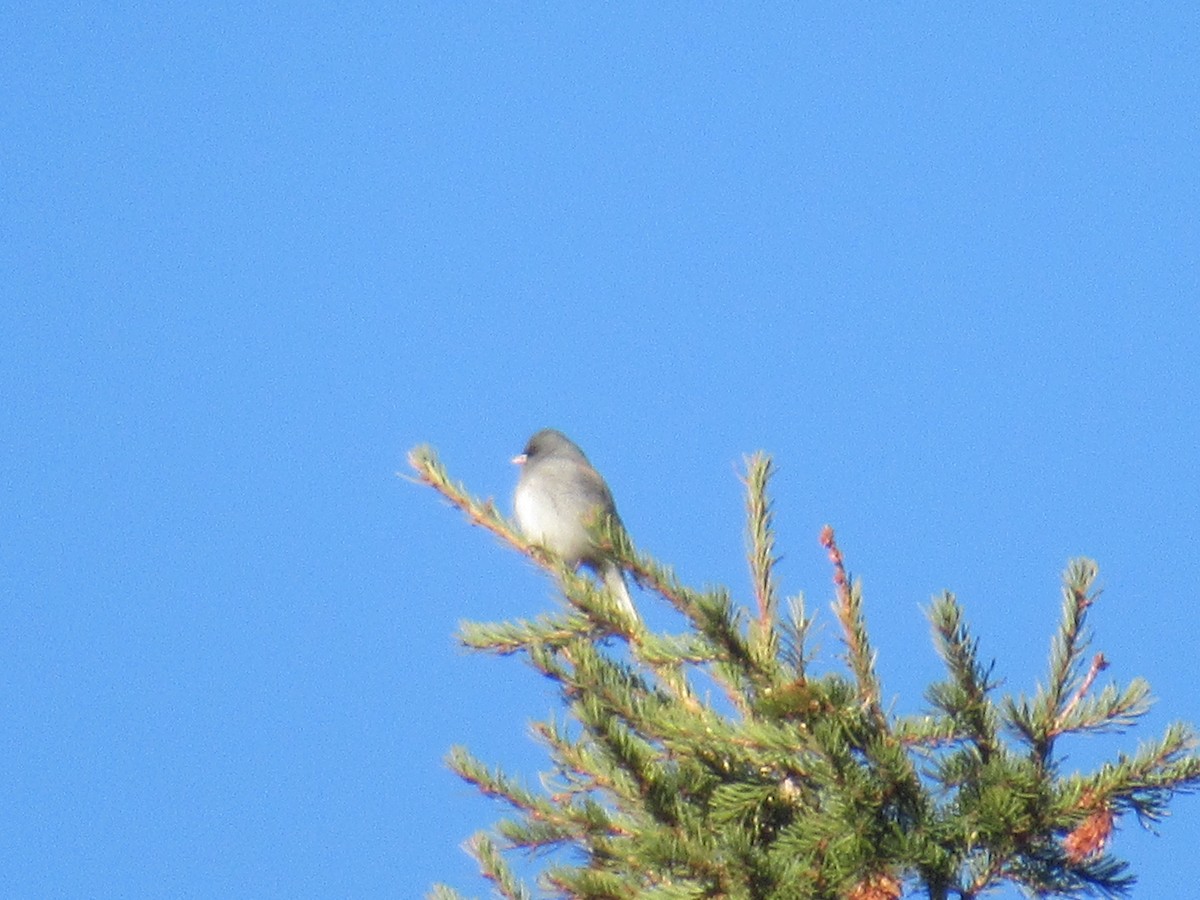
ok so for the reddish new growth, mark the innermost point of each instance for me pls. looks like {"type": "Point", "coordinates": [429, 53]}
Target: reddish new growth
{"type": "Point", "coordinates": [1090, 836]}
{"type": "Point", "coordinates": [1099, 664]}
{"type": "Point", "coordinates": [835, 556]}
{"type": "Point", "coordinates": [877, 887]}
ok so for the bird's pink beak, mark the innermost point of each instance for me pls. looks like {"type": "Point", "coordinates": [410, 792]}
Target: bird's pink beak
{"type": "Point", "coordinates": [519, 460]}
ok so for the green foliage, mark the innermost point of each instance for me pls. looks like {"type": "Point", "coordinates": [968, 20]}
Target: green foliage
{"type": "Point", "coordinates": [790, 786]}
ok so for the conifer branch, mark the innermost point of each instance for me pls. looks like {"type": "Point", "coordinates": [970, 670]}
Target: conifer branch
{"type": "Point", "coordinates": [1099, 664]}
{"type": "Point", "coordinates": [848, 609]}
{"type": "Point", "coordinates": [583, 768]}
{"type": "Point", "coordinates": [504, 638]}
{"type": "Point", "coordinates": [431, 472]}
{"type": "Point", "coordinates": [712, 615]}
{"type": "Point", "coordinates": [1066, 653]}
{"type": "Point", "coordinates": [965, 698]}
{"type": "Point", "coordinates": [761, 557]}
{"type": "Point", "coordinates": [1111, 710]}
{"type": "Point", "coordinates": [577, 589]}
{"type": "Point", "coordinates": [793, 634]}
{"type": "Point", "coordinates": [1146, 782]}
{"type": "Point", "coordinates": [443, 892]}
{"type": "Point", "coordinates": [800, 787]}
{"type": "Point", "coordinates": [494, 783]}
{"type": "Point", "coordinates": [493, 867]}
{"type": "Point", "coordinates": [1055, 708]}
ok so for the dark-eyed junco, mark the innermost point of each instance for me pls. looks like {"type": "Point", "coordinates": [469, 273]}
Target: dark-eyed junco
{"type": "Point", "coordinates": [558, 496]}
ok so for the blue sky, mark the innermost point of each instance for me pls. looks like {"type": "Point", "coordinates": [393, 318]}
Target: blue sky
{"type": "Point", "coordinates": [941, 263]}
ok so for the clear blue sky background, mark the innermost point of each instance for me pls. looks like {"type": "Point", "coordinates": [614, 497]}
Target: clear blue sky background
{"type": "Point", "coordinates": [942, 264]}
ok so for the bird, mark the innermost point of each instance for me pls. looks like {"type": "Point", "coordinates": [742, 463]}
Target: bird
{"type": "Point", "coordinates": [558, 496]}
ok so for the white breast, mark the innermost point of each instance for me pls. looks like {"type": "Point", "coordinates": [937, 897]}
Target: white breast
{"type": "Point", "coordinates": [553, 520]}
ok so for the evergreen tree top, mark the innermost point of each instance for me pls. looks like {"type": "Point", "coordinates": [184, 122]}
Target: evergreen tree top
{"type": "Point", "coordinates": [791, 785]}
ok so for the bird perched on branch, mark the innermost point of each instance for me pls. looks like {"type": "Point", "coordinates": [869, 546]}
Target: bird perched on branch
{"type": "Point", "coordinates": [559, 495]}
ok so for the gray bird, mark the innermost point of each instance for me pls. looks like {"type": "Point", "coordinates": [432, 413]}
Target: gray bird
{"type": "Point", "coordinates": [558, 495]}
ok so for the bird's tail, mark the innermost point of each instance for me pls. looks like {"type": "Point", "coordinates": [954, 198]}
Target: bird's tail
{"type": "Point", "coordinates": [614, 580]}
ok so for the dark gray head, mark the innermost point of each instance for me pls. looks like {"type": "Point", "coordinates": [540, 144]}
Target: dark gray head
{"type": "Point", "coordinates": [549, 443]}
